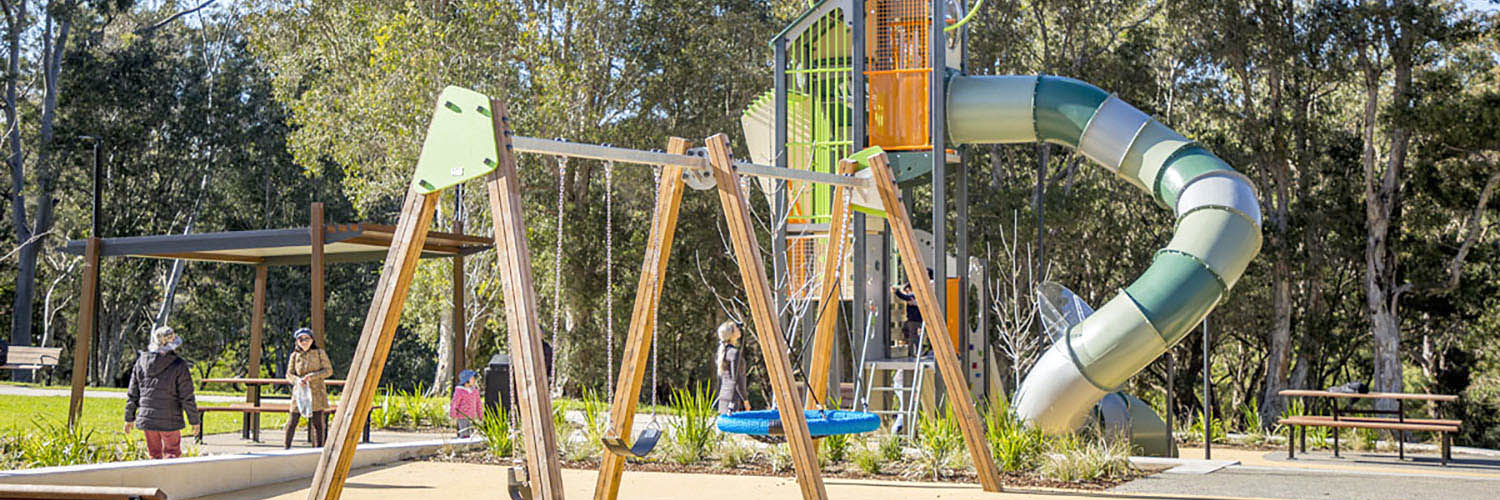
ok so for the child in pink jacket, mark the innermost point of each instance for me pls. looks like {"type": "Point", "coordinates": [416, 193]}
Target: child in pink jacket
{"type": "Point", "coordinates": [465, 408]}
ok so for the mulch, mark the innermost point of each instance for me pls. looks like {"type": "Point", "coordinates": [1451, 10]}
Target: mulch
{"type": "Point", "coordinates": [760, 467]}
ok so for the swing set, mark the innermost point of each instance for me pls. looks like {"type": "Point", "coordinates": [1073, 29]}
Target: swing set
{"type": "Point", "coordinates": [469, 137]}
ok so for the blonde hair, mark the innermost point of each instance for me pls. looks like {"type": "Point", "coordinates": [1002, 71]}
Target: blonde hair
{"type": "Point", "coordinates": [729, 331]}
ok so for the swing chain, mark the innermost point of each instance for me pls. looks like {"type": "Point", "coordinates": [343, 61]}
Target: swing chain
{"type": "Point", "coordinates": [609, 274]}
{"type": "Point", "coordinates": [562, 171]}
{"type": "Point", "coordinates": [656, 175]}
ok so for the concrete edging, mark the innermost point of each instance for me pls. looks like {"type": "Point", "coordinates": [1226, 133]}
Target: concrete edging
{"type": "Point", "coordinates": [207, 475]}
{"type": "Point", "coordinates": [1183, 465]}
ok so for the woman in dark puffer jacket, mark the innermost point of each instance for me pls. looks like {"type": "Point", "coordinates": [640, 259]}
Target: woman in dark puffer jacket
{"type": "Point", "coordinates": [161, 391]}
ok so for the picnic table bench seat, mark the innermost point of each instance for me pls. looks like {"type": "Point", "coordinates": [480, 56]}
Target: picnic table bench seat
{"type": "Point", "coordinates": [1445, 428]}
{"type": "Point", "coordinates": [269, 407]}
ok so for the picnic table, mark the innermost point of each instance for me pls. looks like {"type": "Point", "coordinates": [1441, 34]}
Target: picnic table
{"type": "Point", "coordinates": [253, 406]}
{"type": "Point", "coordinates": [1345, 415]}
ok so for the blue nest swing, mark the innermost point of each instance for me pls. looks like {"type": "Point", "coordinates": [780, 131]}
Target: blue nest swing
{"type": "Point", "coordinates": [819, 422]}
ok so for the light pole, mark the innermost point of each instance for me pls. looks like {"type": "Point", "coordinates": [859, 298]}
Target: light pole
{"type": "Point", "coordinates": [94, 230]}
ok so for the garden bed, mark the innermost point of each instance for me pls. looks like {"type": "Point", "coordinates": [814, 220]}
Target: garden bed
{"type": "Point", "coordinates": [761, 466]}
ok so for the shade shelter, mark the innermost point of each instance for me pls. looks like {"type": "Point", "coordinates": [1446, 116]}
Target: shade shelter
{"type": "Point", "coordinates": [315, 245]}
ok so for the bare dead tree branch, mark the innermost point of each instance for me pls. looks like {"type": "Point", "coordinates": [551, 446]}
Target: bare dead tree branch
{"type": "Point", "coordinates": [159, 24]}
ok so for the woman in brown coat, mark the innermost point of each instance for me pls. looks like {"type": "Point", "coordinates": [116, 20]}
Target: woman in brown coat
{"type": "Point", "coordinates": [309, 365]}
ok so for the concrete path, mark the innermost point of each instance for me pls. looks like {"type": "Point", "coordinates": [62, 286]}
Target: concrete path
{"type": "Point", "coordinates": [454, 480]}
{"type": "Point", "coordinates": [16, 390]}
{"type": "Point", "coordinates": [1355, 476]}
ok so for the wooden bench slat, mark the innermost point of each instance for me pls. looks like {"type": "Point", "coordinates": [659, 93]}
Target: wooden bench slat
{"type": "Point", "coordinates": [1395, 426]}
{"type": "Point", "coordinates": [31, 356]}
{"type": "Point", "coordinates": [58, 492]}
{"type": "Point", "coordinates": [264, 408]}
{"type": "Point", "coordinates": [1429, 421]}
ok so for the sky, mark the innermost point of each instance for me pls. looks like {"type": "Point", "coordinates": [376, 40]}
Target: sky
{"type": "Point", "coordinates": [1484, 5]}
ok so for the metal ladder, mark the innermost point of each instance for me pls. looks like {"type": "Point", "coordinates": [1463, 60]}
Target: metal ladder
{"type": "Point", "coordinates": [908, 393]}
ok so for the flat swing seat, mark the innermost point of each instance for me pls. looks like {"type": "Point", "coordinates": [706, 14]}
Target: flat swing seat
{"type": "Point", "coordinates": [642, 446]}
{"type": "Point", "coordinates": [819, 422]}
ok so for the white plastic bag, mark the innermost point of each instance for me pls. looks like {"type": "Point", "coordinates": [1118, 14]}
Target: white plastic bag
{"type": "Point", "coordinates": [302, 396]}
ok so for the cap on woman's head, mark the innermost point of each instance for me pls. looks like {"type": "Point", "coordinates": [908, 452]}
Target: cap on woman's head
{"type": "Point", "coordinates": [302, 332]}
{"type": "Point", "coordinates": [729, 331]}
{"type": "Point", "coordinates": [465, 376]}
{"type": "Point", "coordinates": [163, 339]}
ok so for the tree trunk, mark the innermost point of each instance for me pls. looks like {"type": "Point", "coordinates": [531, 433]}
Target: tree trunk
{"type": "Point", "coordinates": [1382, 211]}
{"type": "Point", "coordinates": [29, 234]}
{"type": "Point", "coordinates": [441, 379]}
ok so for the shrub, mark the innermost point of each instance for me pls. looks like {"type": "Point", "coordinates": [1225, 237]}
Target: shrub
{"type": "Point", "coordinates": [868, 461]}
{"type": "Point", "coordinates": [52, 444]}
{"type": "Point", "coordinates": [1014, 445]}
{"type": "Point", "coordinates": [779, 458]}
{"type": "Point", "coordinates": [940, 444]}
{"type": "Point", "coordinates": [496, 430]}
{"type": "Point", "coordinates": [595, 417]}
{"type": "Point", "coordinates": [1219, 430]}
{"type": "Point", "coordinates": [693, 434]}
{"type": "Point", "coordinates": [732, 453]}
{"type": "Point", "coordinates": [891, 449]}
{"type": "Point", "coordinates": [1367, 439]}
{"type": "Point", "coordinates": [1075, 457]}
{"type": "Point", "coordinates": [836, 447]}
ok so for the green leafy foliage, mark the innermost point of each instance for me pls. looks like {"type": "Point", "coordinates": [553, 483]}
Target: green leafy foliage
{"type": "Point", "coordinates": [497, 433]}
{"type": "Point", "coordinates": [940, 446]}
{"type": "Point", "coordinates": [1084, 457]}
{"type": "Point", "coordinates": [693, 433]}
{"type": "Point", "coordinates": [51, 444]}
{"type": "Point", "coordinates": [733, 452]}
{"type": "Point", "coordinates": [836, 447]}
{"type": "Point", "coordinates": [1015, 445]}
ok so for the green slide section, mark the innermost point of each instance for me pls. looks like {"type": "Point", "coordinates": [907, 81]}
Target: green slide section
{"type": "Point", "coordinates": [1217, 231]}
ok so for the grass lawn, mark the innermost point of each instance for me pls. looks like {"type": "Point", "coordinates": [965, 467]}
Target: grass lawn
{"type": "Point", "coordinates": [104, 416]}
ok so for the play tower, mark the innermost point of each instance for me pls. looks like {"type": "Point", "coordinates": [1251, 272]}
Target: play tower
{"type": "Point", "coordinates": [854, 74]}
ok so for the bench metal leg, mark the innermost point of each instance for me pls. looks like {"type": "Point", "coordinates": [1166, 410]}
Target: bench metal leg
{"type": "Point", "coordinates": [366, 435]}
{"type": "Point", "coordinates": [1447, 448]}
{"type": "Point", "coordinates": [1291, 442]}
{"type": "Point", "coordinates": [1302, 432]}
{"type": "Point", "coordinates": [1401, 445]}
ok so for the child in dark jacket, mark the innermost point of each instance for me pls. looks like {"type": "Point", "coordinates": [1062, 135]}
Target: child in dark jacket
{"type": "Point", "coordinates": [160, 393]}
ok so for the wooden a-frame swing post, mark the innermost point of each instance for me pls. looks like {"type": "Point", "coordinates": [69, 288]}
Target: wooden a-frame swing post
{"type": "Point", "coordinates": [543, 469]}
{"type": "Point", "coordinates": [374, 345]}
{"type": "Point", "coordinates": [544, 474]}
{"type": "Point", "coordinates": [946, 354]}
{"type": "Point", "coordinates": [828, 303]}
{"type": "Point", "coordinates": [643, 319]}
{"type": "Point", "coordinates": [767, 329]}
{"type": "Point", "coordinates": [773, 346]}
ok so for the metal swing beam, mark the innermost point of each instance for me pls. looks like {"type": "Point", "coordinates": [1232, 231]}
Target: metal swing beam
{"type": "Point", "coordinates": [552, 147]}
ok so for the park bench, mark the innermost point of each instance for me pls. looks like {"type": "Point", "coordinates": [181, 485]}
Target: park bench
{"type": "Point", "coordinates": [20, 357]}
{"type": "Point", "coordinates": [58, 492]}
{"type": "Point", "coordinates": [269, 407]}
{"type": "Point", "coordinates": [1347, 417]}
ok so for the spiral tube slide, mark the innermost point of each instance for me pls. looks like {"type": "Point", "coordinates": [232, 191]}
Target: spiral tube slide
{"type": "Point", "coordinates": [1217, 233]}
